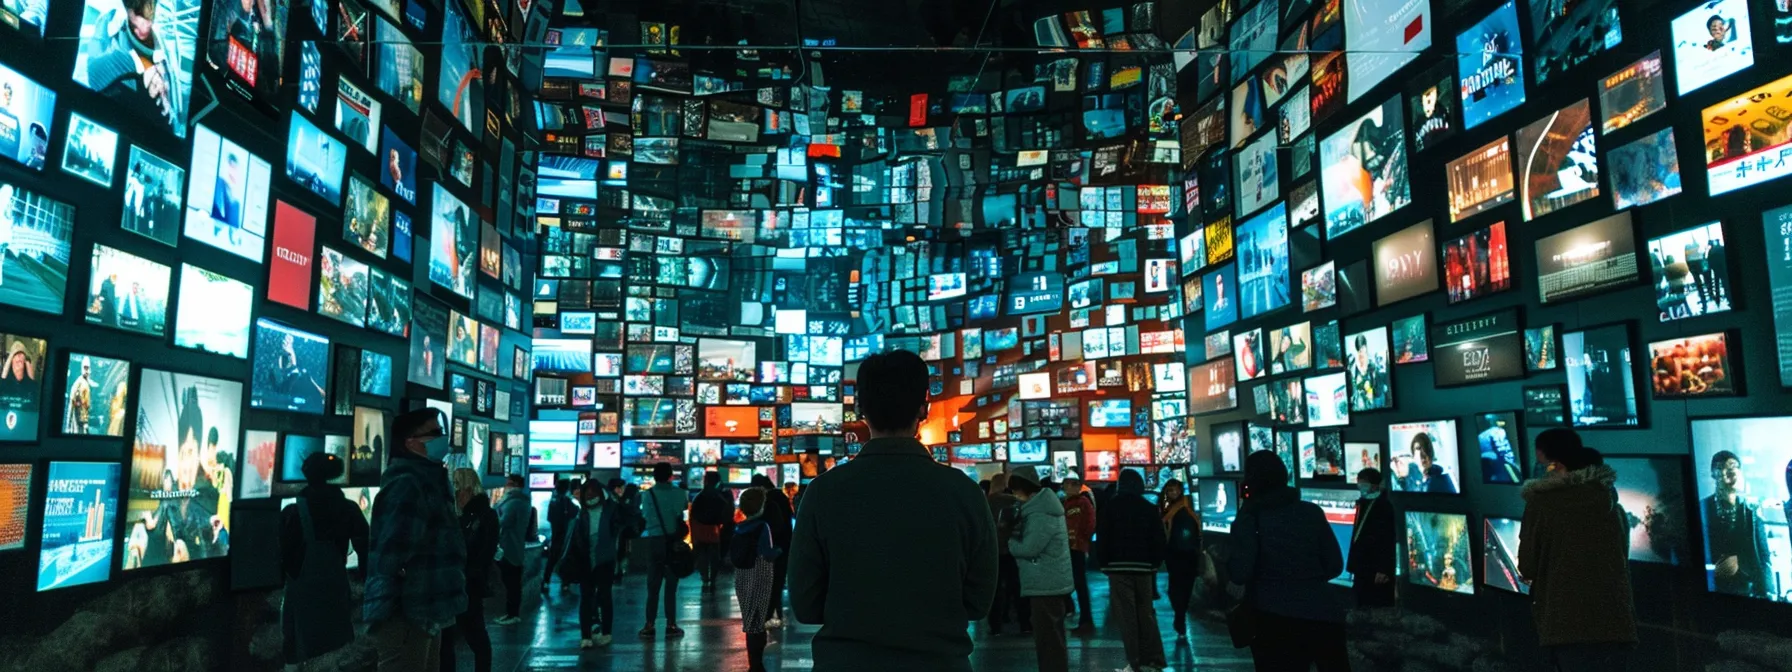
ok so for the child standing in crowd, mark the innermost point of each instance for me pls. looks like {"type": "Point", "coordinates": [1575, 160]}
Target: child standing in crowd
{"type": "Point", "coordinates": [754, 558]}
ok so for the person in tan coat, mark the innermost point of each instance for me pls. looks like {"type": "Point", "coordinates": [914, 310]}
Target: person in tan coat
{"type": "Point", "coordinates": [1574, 551]}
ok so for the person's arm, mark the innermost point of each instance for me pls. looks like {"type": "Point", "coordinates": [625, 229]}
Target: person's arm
{"type": "Point", "coordinates": [1331, 558]}
{"type": "Point", "coordinates": [1530, 545]}
{"type": "Point", "coordinates": [1156, 544]}
{"type": "Point", "coordinates": [358, 534]}
{"type": "Point", "coordinates": [1030, 542]}
{"type": "Point", "coordinates": [1102, 532]}
{"type": "Point", "coordinates": [981, 557]}
{"type": "Point", "coordinates": [767, 549]}
{"type": "Point", "coordinates": [1241, 567]}
{"type": "Point", "coordinates": [292, 541]}
{"type": "Point", "coordinates": [1769, 581]}
{"type": "Point", "coordinates": [807, 575]}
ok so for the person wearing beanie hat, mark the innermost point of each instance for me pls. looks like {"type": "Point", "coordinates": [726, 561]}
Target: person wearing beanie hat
{"type": "Point", "coordinates": [1574, 551]}
{"type": "Point", "coordinates": [1041, 550]}
{"type": "Point", "coordinates": [754, 546]}
{"type": "Point", "coordinates": [316, 533]}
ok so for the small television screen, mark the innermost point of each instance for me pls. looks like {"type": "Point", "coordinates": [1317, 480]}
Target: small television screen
{"type": "Point", "coordinates": [246, 45]}
{"type": "Point", "coordinates": [35, 261]}
{"type": "Point", "coordinates": [647, 452]}
{"type": "Point", "coordinates": [816, 418]}
{"type": "Point", "coordinates": [152, 197]}
{"type": "Point", "coordinates": [1739, 467]}
{"type": "Point", "coordinates": [1497, 437]}
{"type": "Point", "coordinates": [1546, 406]}
{"type": "Point", "coordinates": [227, 195]}
{"type": "Point", "coordinates": [128, 292]}
{"type": "Point", "coordinates": [314, 159]}
{"type": "Point", "coordinates": [453, 240]}
{"type": "Point", "coordinates": [459, 85]}
{"type": "Point", "coordinates": [1367, 362]}
{"type": "Point", "coordinates": [1100, 465]}
{"type": "Point", "coordinates": [1328, 400]}
{"type": "Point", "coordinates": [30, 20]}
{"type": "Point", "coordinates": [1405, 264]}
{"type": "Point", "coordinates": [188, 433]}
{"type": "Point", "coordinates": [1219, 504]}
{"type": "Point", "coordinates": [1477, 265]}
{"type": "Point", "coordinates": [1339, 507]}
{"type": "Point", "coordinates": [1567, 36]}
{"type": "Point", "coordinates": [1166, 378]}
{"type": "Point", "coordinates": [213, 312]}
{"type": "Point", "coordinates": [1602, 390]}
{"type": "Point", "coordinates": [1318, 287]}
{"type": "Point", "coordinates": [1644, 170]}
{"type": "Point", "coordinates": [1558, 162]}
{"type": "Point", "coordinates": [22, 376]}
{"type": "Point", "coordinates": [1423, 457]}
{"type": "Point", "coordinates": [15, 504]}
{"type": "Point", "coordinates": [1365, 170]}
{"type": "Point", "coordinates": [1587, 259]}
{"type": "Point", "coordinates": [1034, 293]}
{"type": "Point", "coordinates": [291, 369]}
{"type": "Point", "coordinates": [941, 286]}
{"type": "Point", "coordinates": [1219, 290]}
{"type": "Point", "coordinates": [357, 114]}
{"type": "Point", "coordinates": [564, 176]}
{"type": "Point", "coordinates": [398, 166]}
{"type": "Point", "coordinates": [998, 340]}
{"type": "Point", "coordinates": [1739, 153]}
{"type": "Point", "coordinates": [79, 524]}
{"type": "Point", "coordinates": [93, 386]}
{"type": "Point", "coordinates": [1499, 557]}
{"type": "Point", "coordinates": [1291, 348]}
{"type": "Point", "coordinates": [728, 360]}
{"type": "Point", "coordinates": [1490, 66]}
{"type": "Point", "coordinates": [1694, 366]}
{"type": "Point", "coordinates": [1479, 349]}
{"type": "Point", "coordinates": [367, 217]}
{"type": "Point", "coordinates": [1262, 244]}
{"type": "Point", "coordinates": [1247, 351]}
{"type": "Point", "coordinates": [1212, 387]}
{"type": "Point", "coordinates": [702, 452]}
{"type": "Point", "coordinates": [1652, 492]}
{"type": "Point", "coordinates": [376, 374]}
{"type": "Point", "coordinates": [733, 422]}
{"type": "Point", "coordinates": [1480, 180]}
{"type": "Point", "coordinates": [1027, 452]}
{"type": "Point", "coordinates": [295, 448]}
{"type": "Point", "coordinates": [1110, 413]}
{"type": "Point", "coordinates": [91, 151]}
{"type": "Point", "coordinates": [1437, 553]}
{"type": "Point", "coordinates": [1633, 92]}
{"type": "Point", "coordinates": [1228, 447]}
{"type": "Point", "coordinates": [31, 109]}
{"type": "Point", "coordinates": [1711, 41]}
{"type": "Point", "coordinates": [172, 64]}
{"type": "Point", "coordinates": [342, 287]}
{"type": "Point", "coordinates": [1287, 401]}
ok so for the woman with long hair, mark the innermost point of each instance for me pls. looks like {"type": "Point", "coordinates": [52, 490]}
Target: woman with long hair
{"type": "Point", "coordinates": [1182, 527]}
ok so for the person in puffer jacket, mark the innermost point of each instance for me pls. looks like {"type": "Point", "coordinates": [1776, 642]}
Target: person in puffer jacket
{"type": "Point", "coordinates": [1041, 549]}
{"type": "Point", "coordinates": [1574, 550]}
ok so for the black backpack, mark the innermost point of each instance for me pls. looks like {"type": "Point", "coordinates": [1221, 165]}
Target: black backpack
{"type": "Point", "coordinates": [743, 551]}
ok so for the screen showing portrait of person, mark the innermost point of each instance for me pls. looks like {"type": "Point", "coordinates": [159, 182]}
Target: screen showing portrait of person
{"type": "Point", "coordinates": [79, 528]}
{"type": "Point", "coordinates": [128, 292]}
{"type": "Point", "coordinates": [1587, 259]}
{"type": "Point", "coordinates": [213, 312]}
{"type": "Point", "coordinates": [291, 369]}
{"type": "Point", "coordinates": [1367, 361]}
{"type": "Point", "coordinates": [22, 376]}
{"type": "Point", "coordinates": [227, 197]}
{"type": "Point", "coordinates": [1711, 41]}
{"type": "Point", "coordinates": [145, 72]}
{"type": "Point", "coordinates": [183, 469]}
{"type": "Point", "coordinates": [1405, 264]}
{"type": "Point", "coordinates": [1740, 467]}
{"type": "Point", "coordinates": [398, 166]}
{"type": "Point", "coordinates": [1602, 389]}
{"type": "Point", "coordinates": [1219, 289]}
{"type": "Point", "coordinates": [1423, 457]}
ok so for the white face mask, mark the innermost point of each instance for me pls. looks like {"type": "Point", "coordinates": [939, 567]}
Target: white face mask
{"type": "Point", "coordinates": [1367, 493]}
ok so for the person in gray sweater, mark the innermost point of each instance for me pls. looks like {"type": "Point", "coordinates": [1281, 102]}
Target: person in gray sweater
{"type": "Point", "coordinates": [1041, 549]}
{"type": "Point", "coordinates": [514, 512]}
{"type": "Point", "coordinates": [1283, 555]}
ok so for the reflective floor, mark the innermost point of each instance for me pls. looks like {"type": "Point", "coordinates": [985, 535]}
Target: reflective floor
{"type": "Point", "coordinates": [547, 639]}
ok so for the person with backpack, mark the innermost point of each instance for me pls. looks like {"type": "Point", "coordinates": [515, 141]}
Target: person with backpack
{"type": "Point", "coordinates": [561, 510]}
{"type": "Point", "coordinates": [752, 553]}
{"type": "Point", "coordinates": [316, 534]}
{"type": "Point", "coordinates": [1283, 555]}
{"type": "Point", "coordinates": [479, 524]}
{"type": "Point", "coordinates": [663, 507]}
{"type": "Point", "coordinates": [515, 515]}
{"type": "Point", "coordinates": [778, 515]}
{"type": "Point", "coordinates": [711, 515]}
{"type": "Point", "coordinates": [1041, 550]}
{"type": "Point", "coordinates": [591, 560]}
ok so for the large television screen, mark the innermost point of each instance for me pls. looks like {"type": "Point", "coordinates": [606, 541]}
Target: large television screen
{"type": "Point", "coordinates": [183, 466]}
{"type": "Point", "coordinates": [1691, 272]}
{"type": "Point", "coordinates": [111, 60]}
{"type": "Point", "coordinates": [315, 159]}
{"type": "Point", "coordinates": [1367, 360]}
{"type": "Point", "coordinates": [1477, 265]}
{"type": "Point", "coordinates": [1711, 41]}
{"type": "Point", "coordinates": [460, 86]}
{"type": "Point", "coordinates": [1365, 174]}
{"type": "Point", "coordinates": [34, 262]}
{"type": "Point", "coordinates": [128, 292]}
{"type": "Point", "coordinates": [1380, 37]}
{"type": "Point", "coordinates": [1480, 180]}
{"type": "Point", "coordinates": [1652, 491]}
{"type": "Point", "coordinates": [1741, 150]}
{"type": "Point", "coordinates": [1422, 457]}
{"type": "Point", "coordinates": [227, 195]}
{"type": "Point", "coordinates": [1499, 555]}
{"type": "Point", "coordinates": [79, 524]}
{"type": "Point", "coordinates": [1645, 170]}
{"type": "Point", "coordinates": [1740, 466]}
{"type": "Point", "coordinates": [1211, 387]}
{"type": "Point", "coordinates": [1694, 366]}
{"type": "Point", "coordinates": [454, 239]}
{"type": "Point", "coordinates": [291, 369]}
{"type": "Point", "coordinates": [1479, 349]}
{"type": "Point", "coordinates": [1263, 262]}
{"type": "Point", "coordinates": [1489, 63]}
{"type": "Point", "coordinates": [22, 376]}
{"type": "Point", "coordinates": [1437, 551]}
{"type": "Point", "coordinates": [1558, 161]}
{"type": "Point", "coordinates": [213, 312]}
{"type": "Point", "coordinates": [1587, 259]}
{"type": "Point", "coordinates": [1405, 264]}
{"type": "Point", "coordinates": [1602, 387]}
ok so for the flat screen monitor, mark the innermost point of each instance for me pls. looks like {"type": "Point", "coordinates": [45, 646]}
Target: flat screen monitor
{"type": "Point", "coordinates": [227, 195]}
{"type": "Point", "coordinates": [376, 374]}
{"type": "Point", "coordinates": [1480, 180]}
{"type": "Point", "coordinates": [79, 528]}
{"type": "Point", "coordinates": [15, 486]}
{"type": "Point", "coordinates": [1382, 36]}
{"type": "Point", "coordinates": [1477, 264]}
{"type": "Point", "coordinates": [1499, 557]}
{"type": "Point", "coordinates": [1741, 154]}
{"type": "Point", "coordinates": [454, 241]}
{"type": "Point", "coordinates": [1479, 349]}
{"type": "Point", "coordinates": [291, 369]}
{"type": "Point", "coordinates": [1219, 504]}
{"type": "Point", "coordinates": [1405, 264]}
{"type": "Point", "coordinates": [1588, 259]}
{"type": "Point", "coordinates": [1711, 41]}
{"type": "Point", "coordinates": [1602, 389]}
{"type": "Point", "coordinates": [1692, 274]}
{"type": "Point", "coordinates": [1423, 457]}
{"type": "Point", "coordinates": [1263, 271]}
{"type": "Point", "coordinates": [97, 67]}
{"type": "Point", "coordinates": [213, 313]}
{"type": "Point", "coordinates": [1437, 554]}
{"type": "Point", "coordinates": [1633, 92]}
{"type": "Point", "coordinates": [1364, 175]}
{"type": "Point", "coordinates": [189, 429]}
{"type": "Point", "coordinates": [314, 159]}
{"type": "Point", "coordinates": [1739, 467]}
{"type": "Point", "coordinates": [1110, 413]}
{"type": "Point", "coordinates": [38, 251]}
{"type": "Point", "coordinates": [128, 292]}
{"type": "Point", "coordinates": [1645, 170]}
{"type": "Point", "coordinates": [1652, 492]}
{"type": "Point", "coordinates": [1328, 400]}
{"type": "Point", "coordinates": [1490, 65]}
{"type": "Point", "coordinates": [1558, 162]}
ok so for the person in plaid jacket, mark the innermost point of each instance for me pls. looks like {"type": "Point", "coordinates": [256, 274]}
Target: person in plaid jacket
{"type": "Point", "coordinates": [416, 574]}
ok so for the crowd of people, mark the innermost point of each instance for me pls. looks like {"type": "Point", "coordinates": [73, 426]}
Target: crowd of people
{"type": "Point", "coordinates": [893, 588]}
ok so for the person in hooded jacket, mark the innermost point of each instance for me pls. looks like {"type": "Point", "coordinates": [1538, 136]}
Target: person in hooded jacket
{"type": "Point", "coordinates": [1002, 505]}
{"type": "Point", "coordinates": [592, 540]}
{"type": "Point", "coordinates": [1041, 549]}
{"type": "Point", "coordinates": [1079, 521]}
{"type": "Point", "coordinates": [779, 516]}
{"type": "Point", "coordinates": [479, 524]}
{"type": "Point", "coordinates": [753, 585]}
{"type": "Point", "coordinates": [513, 531]}
{"type": "Point", "coordinates": [1372, 543]}
{"type": "Point", "coordinates": [316, 534]}
{"type": "Point", "coordinates": [1131, 548]}
{"type": "Point", "coordinates": [1574, 549]}
{"type": "Point", "coordinates": [712, 516]}
{"type": "Point", "coordinates": [1182, 526]}
{"type": "Point", "coordinates": [1283, 555]}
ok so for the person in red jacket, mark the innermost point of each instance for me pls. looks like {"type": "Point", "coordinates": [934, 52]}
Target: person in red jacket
{"type": "Point", "coordinates": [1079, 517]}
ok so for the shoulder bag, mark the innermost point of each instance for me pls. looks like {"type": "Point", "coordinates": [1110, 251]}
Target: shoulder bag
{"type": "Point", "coordinates": [680, 561]}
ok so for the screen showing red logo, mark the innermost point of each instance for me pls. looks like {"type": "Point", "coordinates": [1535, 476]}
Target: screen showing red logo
{"type": "Point", "coordinates": [289, 267]}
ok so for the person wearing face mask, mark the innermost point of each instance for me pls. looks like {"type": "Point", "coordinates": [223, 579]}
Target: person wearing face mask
{"type": "Point", "coordinates": [316, 534]}
{"type": "Point", "coordinates": [591, 561]}
{"type": "Point", "coordinates": [513, 537]}
{"type": "Point", "coordinates": [1372, 539]}
{"type": "Point", "coordinates": [416, 567]}
{"type": "Point", "coordinates": [1574, 550]}
{"type": "Point", "coordinates": [479, 525]}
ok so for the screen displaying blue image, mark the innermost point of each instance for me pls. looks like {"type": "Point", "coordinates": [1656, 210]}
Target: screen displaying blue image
{"type": "Point", "coordinates": [27, 118]}
{"type": "Point", "coordinates": [291, 369]}
{"type": "Point", "coordinates": [314, 159]}
{"type": "Point", "coordinates": [1253, 38]}
{"type": "Point", "coordinates": [459, 86]}
{"type": "Point", "coordinates": [122, 45]}
{"type": "Point", "coordinates": [1027, 452]}
{"type": "Point", "coordinates": [1380, 37]}
{"type": "Point", "coordinates": [984, 307]}
{"type": "Point", "coordinates": [567, 176]}
{"type": "Point", "coordinates": [1262, 244]}
{"type": "Point", "coordinates": [398, 166]}
{"type": "Point", "coordinates": [79, 524]}
{"type": "Point", "coordinates": [1219, 299]}
{"type": "Point", "coordinates": [401, 236]}
{"type": "Point", "coordinates": [997, 340]}
{"type": "Point", "coordinates": [376, 374]}
{"type": "Point", "coordinates": [293, 453]}
{"type": "Point", "coordinates": [562, 355]}
{"type": "Point", "coordinates": [1110, 413]}
{"type": "Point", "coordinates": [1489, 66]}
{"type": "Point", "coordinates": [574, 56]}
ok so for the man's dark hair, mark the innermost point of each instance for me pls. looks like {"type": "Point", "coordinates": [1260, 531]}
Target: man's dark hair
{"type": "Point", "coordinates": [892, 389]}
{"type": "Point", "coordinates": [1421, 442]}
{"type": "Point", "coordinates": [1371, 475]}
{"type": "Point", "coordinates": [562, 486]}
{"type": "Point", "coordinates": [1024, 486]}
{"type": "Point", "coordinates": [662, 473]}
{"type": "Point", "coordinates": [1264, 471]}
{"type": "Point", "coordinates": [517, 480]}
{"type": "Point", "coordinates": [407, 423]}
{"type": "Point", "coordinates": [1722, 456]}
{"type": "Point", "coordinates": [712, 479]}
{"type": "Point", "coordinates": [321, 467]}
